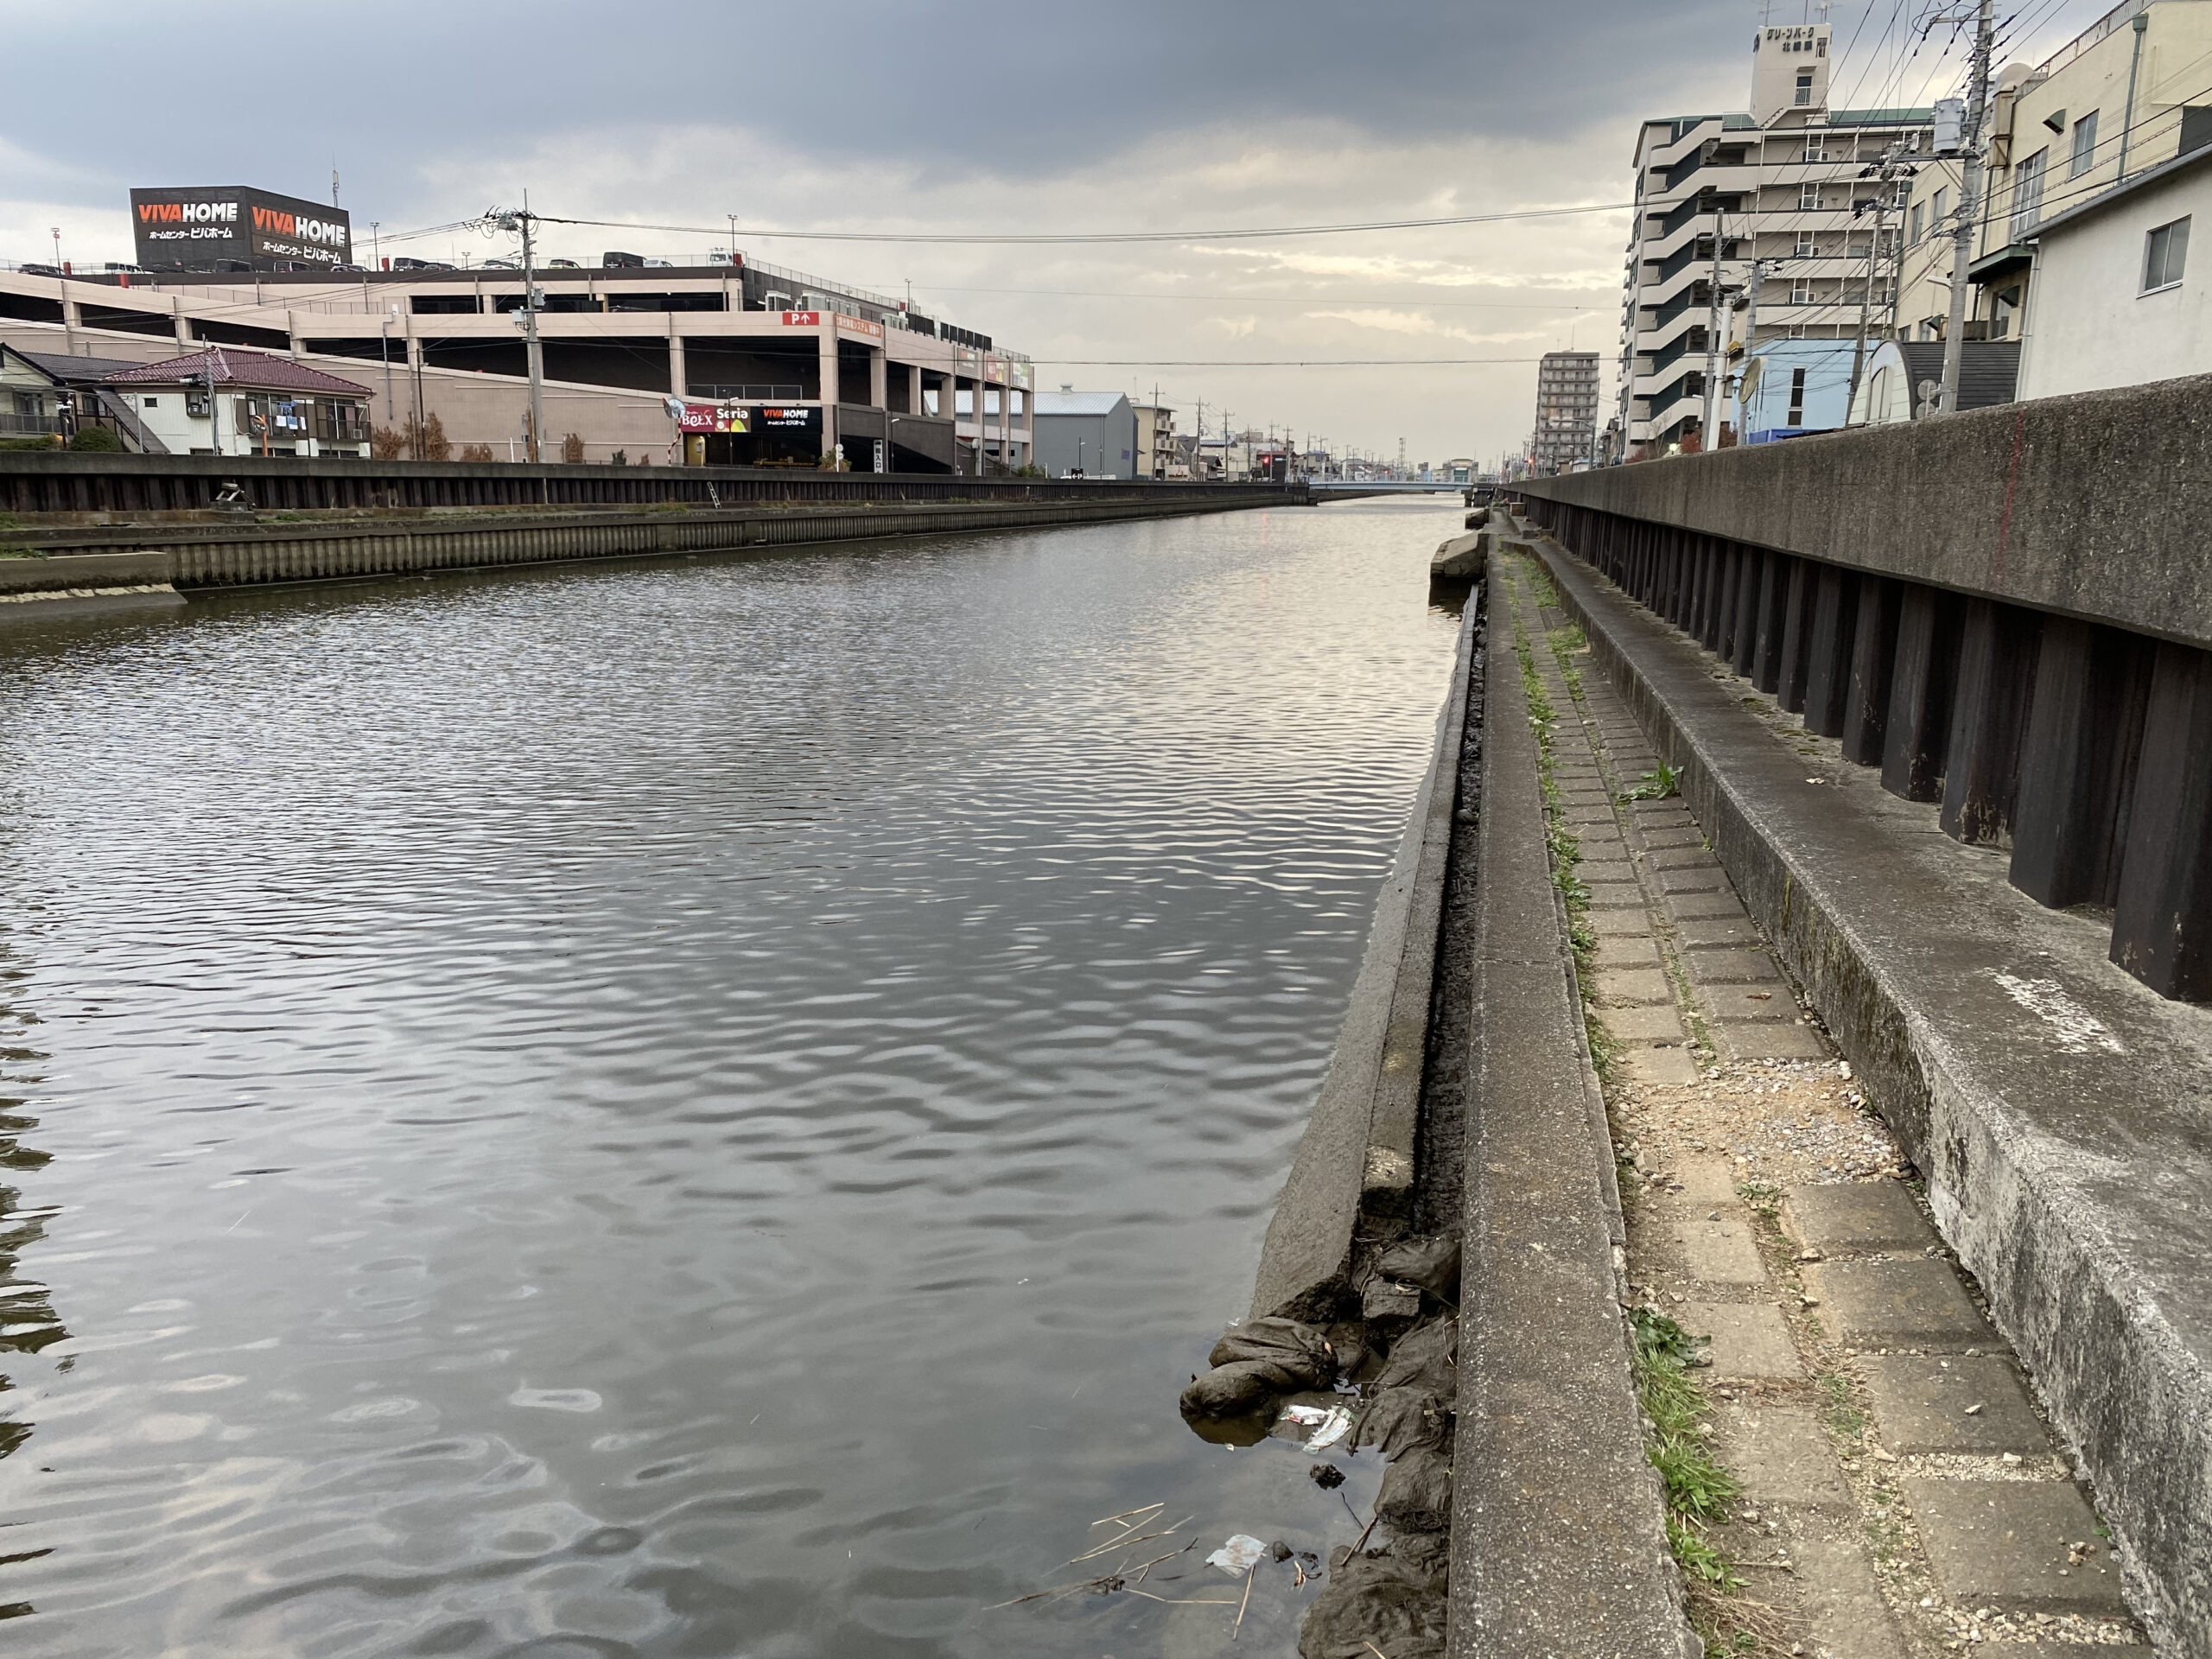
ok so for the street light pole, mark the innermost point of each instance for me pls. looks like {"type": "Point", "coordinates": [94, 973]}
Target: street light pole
{"type": "Point", "coordinates": [1969, 209]}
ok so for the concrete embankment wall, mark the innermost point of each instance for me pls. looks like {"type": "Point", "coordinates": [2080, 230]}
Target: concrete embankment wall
{"type": "Point", "coordinates": [2092, 507]}
{"type": "Point", "coordinates": [247, 550]}
{"type": "Point", "coordinates": [2006, 612]}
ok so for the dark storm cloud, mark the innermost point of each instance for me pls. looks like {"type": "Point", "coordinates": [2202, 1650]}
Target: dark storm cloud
{"type": "Point", "coordinates": [390, 91]}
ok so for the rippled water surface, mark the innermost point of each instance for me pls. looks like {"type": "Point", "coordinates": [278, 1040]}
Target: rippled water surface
{"type": "Point", "coordinates": [701, 1108]}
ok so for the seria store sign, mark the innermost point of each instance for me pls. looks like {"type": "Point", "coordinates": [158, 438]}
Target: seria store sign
{"type": "Point", "coordinates": [711, 418]}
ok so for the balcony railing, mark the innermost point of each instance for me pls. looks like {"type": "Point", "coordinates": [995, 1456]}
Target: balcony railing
{"type": "Point", "coordinates": [737, 394]}
{"type": "Point", "coordinates": [1696, 294]}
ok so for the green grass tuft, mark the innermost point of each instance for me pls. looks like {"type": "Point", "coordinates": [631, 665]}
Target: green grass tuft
{"type": "Point", "coordinates": [1656, 784]}
{"type": "Point", "coordinates": [1698, 1489]}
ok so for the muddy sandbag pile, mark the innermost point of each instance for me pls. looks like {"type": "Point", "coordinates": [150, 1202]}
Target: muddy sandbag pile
{"type": "Point", "coordinates": [1254, 1362]}
{"type": "Point", "coordinates": [1393, 1600]}
{"type": "Point", "coordinates": [1383, 1601]}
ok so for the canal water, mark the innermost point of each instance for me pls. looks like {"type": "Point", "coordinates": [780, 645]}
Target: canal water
{"type": "Point", "coordinates": [690, 1107]}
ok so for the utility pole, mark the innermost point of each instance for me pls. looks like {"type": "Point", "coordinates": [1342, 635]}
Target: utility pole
{"type": "Point", "coordinates": [521, 220]}
{"type": "Point", "coordinates": [1891, 166]}
{"type": "Point", "coordinates": [1969, 210]}
{"type": "Point", "coordinates": [1760, 269]}
{"type": "Point", "coordinates": [383, 339]}
{"type": "Point", "coordinates": [1710, 437]}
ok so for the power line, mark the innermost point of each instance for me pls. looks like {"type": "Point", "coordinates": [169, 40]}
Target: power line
{"type": "Point", "coordinates": [1273, 299]}
{"type": "Point", "coordinates": [726, 231]}
{"type": "Point", "coordinates": [1275, 362]}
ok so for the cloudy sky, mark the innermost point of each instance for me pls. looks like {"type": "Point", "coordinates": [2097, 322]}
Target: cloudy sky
{"type": "Point", "coordinates": [923, 117]}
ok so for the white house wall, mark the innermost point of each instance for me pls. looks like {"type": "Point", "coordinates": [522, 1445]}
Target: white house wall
{"type": "Point", "coordinates": [2090, 326]}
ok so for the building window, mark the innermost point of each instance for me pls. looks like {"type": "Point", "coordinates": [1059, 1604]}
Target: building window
{"type": "Point", "coordinates": [1804, 244]}
{"type": "Point", "coordinates": [2085, 146]}
{"type": "Point", "coordinates": [1801, 291]}
{"type": "Point", "coordinates": [1797, 397]}
{"type": "Point", "coordinates": [1808, 198]}
{"type": "Point", "coordinates": [1919, 222]}
{"type": "Point", "coordinates": [2166, 251]}
{"type": "Point", "coordinates": [2027, 194]}
{"type": "Point", "coordinates": [1804, 87]}
{"type": "Point", "coordinates": [1939, 206]}
{"type": "Point", "coordinates": [1815, 150]}
{"type": "Point", "coordinates": [149, 402]}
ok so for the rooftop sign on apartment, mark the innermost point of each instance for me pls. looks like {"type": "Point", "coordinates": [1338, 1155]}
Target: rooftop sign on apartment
{"type": "Point", "coordinates": [239, 228]}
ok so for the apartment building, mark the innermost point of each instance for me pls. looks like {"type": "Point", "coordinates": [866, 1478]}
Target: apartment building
{"type": "Point", "coordinates": [1156, 453]}
{"type": "Point", "coordinates": [1765, 206]}
{"type": "Point", "coordinates": [1566, 412]}
{"type": "Point", "coordinates": [2130, 92]}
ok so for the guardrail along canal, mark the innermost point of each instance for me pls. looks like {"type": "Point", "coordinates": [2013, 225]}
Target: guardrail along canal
{"type": "Point", "coordinates": [675, 1108]}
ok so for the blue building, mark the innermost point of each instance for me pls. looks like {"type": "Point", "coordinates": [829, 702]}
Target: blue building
{"type": "Point", "coordinates": [1790, 387]}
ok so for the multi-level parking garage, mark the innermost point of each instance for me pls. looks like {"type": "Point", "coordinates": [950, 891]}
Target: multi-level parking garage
{"type": "Point", "coordinates": [736, 363]}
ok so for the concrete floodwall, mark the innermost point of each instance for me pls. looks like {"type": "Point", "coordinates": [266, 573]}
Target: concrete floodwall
{"type": "Point", "coordinates": [2093, 506]}
{"type": "Point", "coordinates": [2007, 612]}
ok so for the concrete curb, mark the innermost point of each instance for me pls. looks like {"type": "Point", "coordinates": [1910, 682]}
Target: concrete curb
{"type": "Point", "coordinates": [1558, 1536]}
{"type": "Point", "coordinates": [1356, 1155]}
{"type": "Point", "coordinates": [2061, 1111]}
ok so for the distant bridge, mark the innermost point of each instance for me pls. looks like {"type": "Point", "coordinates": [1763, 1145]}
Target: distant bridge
{"type": "Point", "coordinates": [1344, 490]}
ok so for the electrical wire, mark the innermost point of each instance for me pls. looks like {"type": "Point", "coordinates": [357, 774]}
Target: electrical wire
{"type": "Point", "coordinates": [1277, 363]}
{"type": "Point", "coordinates": [1050, 238]}
{"type": "Point", "coordinates": [1273, 299]}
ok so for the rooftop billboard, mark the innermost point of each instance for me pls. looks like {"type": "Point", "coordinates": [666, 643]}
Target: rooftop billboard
{"type": "Point", "coordinates": [197, 225]}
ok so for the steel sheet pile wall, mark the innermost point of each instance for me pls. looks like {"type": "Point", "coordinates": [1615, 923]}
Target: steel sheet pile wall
{"type": "Point", "coordinates": [37, 483]}
{"type": "Point", "coordinates": [2010, 618]}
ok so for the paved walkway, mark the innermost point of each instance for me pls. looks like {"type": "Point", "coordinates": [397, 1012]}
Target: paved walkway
{"type": "Point", "coordinates": [1901, 1494]}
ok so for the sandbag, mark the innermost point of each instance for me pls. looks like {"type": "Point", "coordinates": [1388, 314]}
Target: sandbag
{"type": "Point", "coordinates": [1432, 1263]}
{"type": "Point", "coordinates": [1422, 1359]}
{"type": "Point", "coordinates": [1399, 1420]}
{"type": "Point", "coordinates": [1417, 1494]}
{"type": "Point", "coordinates": [1300, 1357]}
{"type": "Point", "coordinates": [1375, 1602]}
{"type": "Point", "coordinates": [1233, 1390]}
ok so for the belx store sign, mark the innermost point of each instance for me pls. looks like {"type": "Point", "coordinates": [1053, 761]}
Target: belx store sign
{"type": "Point", "coordinates": [230, 227]}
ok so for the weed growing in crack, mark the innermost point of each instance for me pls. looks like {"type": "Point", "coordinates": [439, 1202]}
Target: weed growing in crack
{"type": "Point", "coordinates": [1698, 1490]}
{"type": "Point", "coordinates": [1661, 782]}
{"type": "Point", "coordinates": [1840, 1406]}
{"type": "Point", "coordinates": [1764, 1198]}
